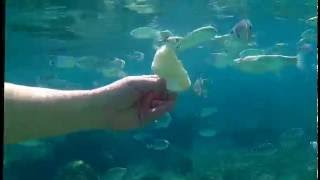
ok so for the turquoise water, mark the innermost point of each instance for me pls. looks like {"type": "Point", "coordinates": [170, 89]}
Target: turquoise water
{"type": "Point", "coordinates": [260, 125]}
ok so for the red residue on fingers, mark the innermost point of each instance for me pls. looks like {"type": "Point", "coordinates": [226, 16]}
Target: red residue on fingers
{"type": "Point", "coordinates": [154, 104]}
{"type": "Point", "coordinates": [161, 109]}
{"type": "Point", "coordinates": [145, 103]}
{"type": "Point", "coordinates": [157, 95]}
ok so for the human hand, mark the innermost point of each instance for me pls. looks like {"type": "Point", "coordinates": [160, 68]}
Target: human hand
{"type": "Point", "coordinates": [133, 101]}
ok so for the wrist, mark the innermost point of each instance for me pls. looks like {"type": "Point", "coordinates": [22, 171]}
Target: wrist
{"type": "Point", "coordinates": [95, 107]}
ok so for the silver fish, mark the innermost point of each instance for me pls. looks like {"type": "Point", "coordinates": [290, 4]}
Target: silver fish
{"type": "Point", "coordinates": [292, 138]}
{"type": "Point", "coordinates": [312, 21]}
{"type": "Point", "coordinates": [264, 149]}
{"type": "Point", "coordinates": [266, 63]}
{"type": "Point", "coordinates": [158, 144]}
{"type": "Point", "coordinates": [115, 173]}
{"type": "Point", "coordinates": [314, 145]}
{"type": "Point", "coordinates": [199, 87]}
{"type": "Point", "coordinates": [163, 122]}
{"type": "Point", "coordinates": [242, 30]}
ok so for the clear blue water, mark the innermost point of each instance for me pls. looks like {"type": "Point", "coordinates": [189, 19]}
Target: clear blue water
{"type": "Point", "coordinates": [251, 109]}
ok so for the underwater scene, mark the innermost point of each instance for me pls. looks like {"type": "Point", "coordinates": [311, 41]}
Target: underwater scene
{"type": "Point", "coordinates": [248, 112]}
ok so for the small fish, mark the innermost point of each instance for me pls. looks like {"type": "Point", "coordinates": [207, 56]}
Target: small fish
{"type": "Point", "coordinates": [77, 169]}
{"type": "Point", "coordinates": [281, 44]}
{"type": "Point", "coordinates": [33, 143]}
{"type": "Point", "coordinates": [114, 69]}
{"type": "Point", "coordinates": [46, 77]}
{"type": "Point", "coordinates": [264, 149]}
{"type": "Point", "coordinates": [266, 63]}
{"type": "Point", "coordinates": [136, 56]}
{"type": "Point", "coordinates": [224, 16]}
{"type": "Point", "coordinates": [118, 63]}
{"type": "Point", "coordinates": [116, 173]}
{"type": "Point", "coordinates": [208, 111]}
{"type": "Point", "coordinates": [308, 36]}
{"type": "Point", "coordinates": [158, 144]}
{"type": "Point", "coordinates": [313, 21]}
{"type": "Point", "coordinates": [112, 72]}
{"type": "Point", "coordinates": [31, 150]}
{"type": "Point", "coordinates": [242, 30]}
{"type": "Point", "coordinates": [109, 4]}
{"type": "Point", "coordinates": [55, 8]}
{"type": "Point", "coordinates": [89, 63]}
{"type": "Point", "coordinates": [207, 132]}
{"type": "Point", "coordinates": [291, 138]}
{"type": "Point", "coordinates": [239, 39]}
{"type": "Point", "coordinates": [55, 82]}
{"type": "Point", "coordinates": [145, 33]}
{"type": "Point", "coordinates": [164, 121]}
{"type": "Point", "coordinates": [314, 145]}
{"type": "Point", "coordinates": [280, 18]}
{"type": "Point", "coordinates": [142, 136]}
{"type": "Point", "coordinates": [63, 61]}
{"type": "Point", "coordinates": [197, 37]}
{"type": "Point", "coordinates": [199, 87]}
{"type": "Point", "coordinates": [293, 133]}
{"type": "Point", "coordinates": [141, 8]}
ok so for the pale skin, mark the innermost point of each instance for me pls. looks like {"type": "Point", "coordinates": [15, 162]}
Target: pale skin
{"type": "Point", "coordinates": [34, 112]}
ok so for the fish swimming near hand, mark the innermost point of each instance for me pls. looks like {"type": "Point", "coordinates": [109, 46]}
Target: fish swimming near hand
{"type": "Point", "coordinates": [144, 33]}
{"type": "Point", "coordinates": [242, 30]}
{"type": "Point", "coordinates": [199, 87]}
{"type": "Point", "coordinates": [239, 39]}
{"type": "Point", "coordinates": [114, 69]}
{"type": "Point", "coordinates": [259, 64]}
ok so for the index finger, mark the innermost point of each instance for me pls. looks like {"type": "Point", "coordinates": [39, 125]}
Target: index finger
{"type": "Point", "coordinates": [147, 83]}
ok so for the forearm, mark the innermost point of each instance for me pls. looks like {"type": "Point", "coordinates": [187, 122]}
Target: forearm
{"type": "Point", "coordinates": [32, 112]}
